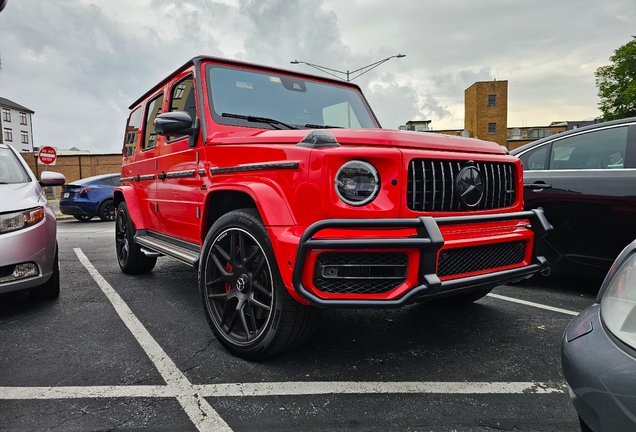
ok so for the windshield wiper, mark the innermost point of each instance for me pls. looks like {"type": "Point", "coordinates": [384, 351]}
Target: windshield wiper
{"type": "Point", "coordinates": [317, 126]}
{"type": "Point", "coordinates": [257, 119]}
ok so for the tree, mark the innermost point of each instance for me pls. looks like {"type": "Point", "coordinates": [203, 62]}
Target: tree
{"type": "Point", "coordinates": [616, 83]}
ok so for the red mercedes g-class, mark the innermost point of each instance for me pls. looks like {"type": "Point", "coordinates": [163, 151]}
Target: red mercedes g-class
{"type": "Point", "coordinates": [287, 196]}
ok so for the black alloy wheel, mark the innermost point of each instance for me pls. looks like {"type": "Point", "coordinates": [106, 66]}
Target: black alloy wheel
{"type": "Point", "coordinates": [129, 255]}
{"type": "Point", "coordinates": [245, 301]}
{"type": "Point", "coordinates": [106, 210]}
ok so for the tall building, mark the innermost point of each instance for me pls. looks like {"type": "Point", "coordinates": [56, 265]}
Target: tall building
{"type": "Point", "coordinates": [15, 125]}
{"type": "Point", "coordinates": [486, 111]}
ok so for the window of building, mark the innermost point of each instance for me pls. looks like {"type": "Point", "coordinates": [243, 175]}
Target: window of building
{"type": "Point", "coordinates": [492, 128]}
{"type": "Point", "coordinates": [6, 114]}
{"type": "Point", "coordinates": [24, 137]}
{"type": "Point", "coordinates": [8, 134]}
{"type": "Point", "coordinates": [23, 118]}
{"type": "Point", "coordinates": [492, 99]}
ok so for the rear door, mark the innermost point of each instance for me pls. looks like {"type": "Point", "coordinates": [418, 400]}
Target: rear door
{"type": "Point", "coordinates": [586, 184]}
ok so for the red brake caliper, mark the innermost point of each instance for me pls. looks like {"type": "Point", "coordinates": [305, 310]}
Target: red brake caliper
{"type": "Point", "coordinates": [228, 286]}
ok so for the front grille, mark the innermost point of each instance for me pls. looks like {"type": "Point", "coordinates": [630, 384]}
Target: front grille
{"type": "Point", "coordinates": [360, 272]}
{"type": "Point", "coordinates": [432, 185]}
{"type": "Point", "coordinates": [478, 258]}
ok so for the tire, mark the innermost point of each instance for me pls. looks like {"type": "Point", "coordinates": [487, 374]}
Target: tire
{"type": "Point", "coordinates": [83, 218]}
{"type": "Point", "coordinates": [462, 298]}
{"type": "Point", "coordinates": [129, 255]}
{"type": "Point", "coordinates": [106, 211]}
{"type": "Point", "coordinates": [51, 288]}
{"type": "Point", "coordinates": [245, 302]}
{"type": "Point", "coordinates": [584, 426]}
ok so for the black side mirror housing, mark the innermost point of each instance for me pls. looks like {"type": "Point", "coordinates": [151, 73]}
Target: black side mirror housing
{"type": "Point", "coordinates": [178, 123]}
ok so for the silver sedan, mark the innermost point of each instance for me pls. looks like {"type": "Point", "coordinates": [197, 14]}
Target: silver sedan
{"type": "Point", "coordinates": [28, 229]}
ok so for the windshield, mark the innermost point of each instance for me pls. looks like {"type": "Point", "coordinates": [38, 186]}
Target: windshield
{"type": "Point", "coordinates": [11, 170]}
{"type": "Point", "coordinates": [269, 100]}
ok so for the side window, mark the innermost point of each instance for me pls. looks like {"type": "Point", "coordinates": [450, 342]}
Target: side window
{"type": "Point", "coordinates": [132, 132]}
{"type": "Point", "coordinates": [534, 159]}
{"type": "Point", "coordinates": [152, 111]}
{"type": "Point", "coordinates": [182, 99]}
{"type": "Point", "coordinates": [602, 149]}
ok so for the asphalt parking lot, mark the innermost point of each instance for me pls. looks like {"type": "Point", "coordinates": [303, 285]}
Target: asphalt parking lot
{"type": "Point", "coordinates": [118, 352]}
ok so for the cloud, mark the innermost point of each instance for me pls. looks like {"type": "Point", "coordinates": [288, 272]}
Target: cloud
{"type": "Point", "coordinates": [80, 63]}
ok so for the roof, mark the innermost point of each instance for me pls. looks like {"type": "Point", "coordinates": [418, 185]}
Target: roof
{"type": "Point", "coordinates": [10, 104]}
{"type": "Point", "coordinates": [196, 61]}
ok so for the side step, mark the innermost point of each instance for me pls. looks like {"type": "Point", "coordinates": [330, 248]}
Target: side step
{"type": "Point", "coordinates": [163, 247]}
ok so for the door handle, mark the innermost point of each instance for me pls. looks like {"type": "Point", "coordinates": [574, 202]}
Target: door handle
{"type": "Point", "coordinates": [537, 186]}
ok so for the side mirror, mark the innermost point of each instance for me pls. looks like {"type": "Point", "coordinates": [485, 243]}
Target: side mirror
{"type": "Point", "coordinates": [174, 123]}
{"type": "Point", "coordinates": [50, 178]}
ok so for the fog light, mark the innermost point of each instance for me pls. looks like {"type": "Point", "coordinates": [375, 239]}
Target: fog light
{"type": "Point", "coordinates": [25, 270]}
{"type": "Point", "coordinates": [21, 271]}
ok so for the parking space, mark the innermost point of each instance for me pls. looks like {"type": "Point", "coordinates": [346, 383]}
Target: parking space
{"type": "Point", "coordinates": [116, 352]}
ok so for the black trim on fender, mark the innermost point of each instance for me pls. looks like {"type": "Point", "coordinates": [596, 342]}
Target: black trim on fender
{"type": "Point", "coordinates": [125, 179]}
{"type": "Point", "coordinates": [430, 240]}
{"type": "Point", "coordinates": [256, 167]}
{"type": "Point", "coordinates": [147, 177]}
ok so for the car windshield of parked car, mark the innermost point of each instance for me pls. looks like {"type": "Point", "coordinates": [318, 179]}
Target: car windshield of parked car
{"type": "Point", "coordinates": [269, 100]}
{"type": "Point", "coordinates": [11, 170]}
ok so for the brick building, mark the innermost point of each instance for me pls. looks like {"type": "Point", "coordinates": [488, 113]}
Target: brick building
{"type": "Point", "coordinates": [16, 129]}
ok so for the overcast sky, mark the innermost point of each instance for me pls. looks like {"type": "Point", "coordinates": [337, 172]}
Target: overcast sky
{"type": "Point", "coordinates": [79, 64]}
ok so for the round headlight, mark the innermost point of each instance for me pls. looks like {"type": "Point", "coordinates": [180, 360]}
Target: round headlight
{"type": "Point", "coordinates": [618, 305]}
{"type": "Point", "coordinates": [357, 183]}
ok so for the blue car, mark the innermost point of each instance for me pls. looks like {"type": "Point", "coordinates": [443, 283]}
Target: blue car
{"type": "Point", "coordinates": [89, 197]}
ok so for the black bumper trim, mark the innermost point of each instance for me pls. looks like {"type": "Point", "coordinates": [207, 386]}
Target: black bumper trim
{"type": "Point", "coordinates": [429, 239]}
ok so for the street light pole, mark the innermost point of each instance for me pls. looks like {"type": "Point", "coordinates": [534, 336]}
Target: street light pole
{"type": "Point", "coordinates": [347, 73]}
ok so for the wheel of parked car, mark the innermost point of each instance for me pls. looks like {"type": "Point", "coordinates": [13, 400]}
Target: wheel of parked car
{"type": "Point", "coordinates": [246, 304]}
{"type": "Point", "coordinates": [129, 255]}
{"type": "Point", "coordinates": [83, 218]}
{"type": "Point", "coordinates": [51, 288]}
{"type": "Point", "coordinates": [106, 211]}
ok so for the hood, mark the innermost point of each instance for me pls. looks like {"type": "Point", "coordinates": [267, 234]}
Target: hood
{"type": "Point", "coordinates": [366, 137]}
{"type": "Point", "coordinates": [20, 196]}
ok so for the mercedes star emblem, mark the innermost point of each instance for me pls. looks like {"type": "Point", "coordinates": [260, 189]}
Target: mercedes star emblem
{"type": "Point", "coordinates": [470, 186]}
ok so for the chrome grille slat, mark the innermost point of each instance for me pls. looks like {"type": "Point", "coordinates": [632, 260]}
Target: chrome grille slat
{"type": "Point", "coordinates": [433, 172]}
{"type": "Point", "coordinates": [431, 185]}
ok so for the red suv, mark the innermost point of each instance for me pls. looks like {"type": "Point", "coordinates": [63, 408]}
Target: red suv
{"type": "Point", "coordinates": [287, 196]}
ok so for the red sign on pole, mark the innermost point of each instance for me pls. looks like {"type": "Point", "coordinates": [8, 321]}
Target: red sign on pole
{"type": "Point", "coordinates": [47, 155]}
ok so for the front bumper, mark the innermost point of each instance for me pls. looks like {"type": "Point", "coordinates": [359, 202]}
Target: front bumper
{"type": "Point", "coordinates": [36, 245]}
{"type": "Point", "coordinates": [601, 374]}
{"type": "Point", "coordinates": [425, 245]}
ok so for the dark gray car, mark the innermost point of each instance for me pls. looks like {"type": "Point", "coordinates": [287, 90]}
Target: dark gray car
{"type": "Point", "coordinates": [599, 352]}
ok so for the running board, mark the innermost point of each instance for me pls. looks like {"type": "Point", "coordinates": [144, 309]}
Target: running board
{"type": "Point", "coordinates": [164, 247]}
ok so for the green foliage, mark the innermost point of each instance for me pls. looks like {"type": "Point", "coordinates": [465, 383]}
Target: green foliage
{"type": "Point", "coordinates": [616, 83]}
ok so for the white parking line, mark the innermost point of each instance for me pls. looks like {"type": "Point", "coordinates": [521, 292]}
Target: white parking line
{"type": "Point", "coordinates": [283, 389]}
{"type": "Point", "coordinates": [192, 397]}
{"type": "Point", "coordinates": [198, 409]}
{"type": "Point", "coordinates": [537, 305]}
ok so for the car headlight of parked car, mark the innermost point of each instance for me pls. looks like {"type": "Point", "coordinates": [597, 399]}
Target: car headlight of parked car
{"type": "Point", "coordinates": [618, 305]}
{"type": "Point", "coordinates": [357, 182]}
{"type": "Point", "coordinates": [18, 220]}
